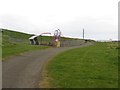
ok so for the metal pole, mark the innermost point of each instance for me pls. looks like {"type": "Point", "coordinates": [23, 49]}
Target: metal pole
{"type": "Point", "coordinates": [83, 33]}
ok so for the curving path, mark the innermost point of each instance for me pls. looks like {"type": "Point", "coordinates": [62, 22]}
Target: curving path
{"type": "Point", "coordinates": [24, 70]}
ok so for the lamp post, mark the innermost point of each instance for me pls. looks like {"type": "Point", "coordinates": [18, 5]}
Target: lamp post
{"type": "Point", "coordinates": [83, 33]}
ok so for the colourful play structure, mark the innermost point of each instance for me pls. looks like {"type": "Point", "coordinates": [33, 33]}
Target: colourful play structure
{"type": "Point", "coordinates": [57, 36]}
{"type": "Point", "coordinates": [53, 41]}
{"type": "Point", "coordinates": [41, 39]}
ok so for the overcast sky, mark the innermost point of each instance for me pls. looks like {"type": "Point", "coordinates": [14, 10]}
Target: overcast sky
{"type": "Point", "coordinates": [99, 18]}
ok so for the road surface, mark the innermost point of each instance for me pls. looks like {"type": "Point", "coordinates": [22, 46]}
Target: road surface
{"type": "Point", "coordinates": [24, 70]}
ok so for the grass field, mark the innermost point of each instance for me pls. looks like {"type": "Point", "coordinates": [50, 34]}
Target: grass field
{"type": "Point", "coordinates": [89, 67]}
{"type": "Point", "coordinates": [14, 43]}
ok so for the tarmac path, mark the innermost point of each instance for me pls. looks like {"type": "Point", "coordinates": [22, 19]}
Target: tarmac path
{"type": "Point", "coordinates": [25, 70]}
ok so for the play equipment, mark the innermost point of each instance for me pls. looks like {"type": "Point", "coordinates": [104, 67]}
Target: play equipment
{"type": "Point", "coordinates": [56, 40]}
{"type": "Point", "coordinates": [34, 40]}
{"type": "Point", "coordinates": [45, 42]}
{"type": "Point", "coordinates": [51, 40]}
{"type": "Point", "coordinates": [57, 36]}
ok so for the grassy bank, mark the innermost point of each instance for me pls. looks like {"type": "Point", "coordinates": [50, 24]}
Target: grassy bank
{"type": "Point", "coordinates": [14, 43]}
{"type": "Point", "coordinates": [88, 67]}
{"type": "Point", "coordinates": [19, 48]}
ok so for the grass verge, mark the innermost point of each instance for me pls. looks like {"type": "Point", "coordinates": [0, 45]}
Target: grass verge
{"type": "Point", "coordinates": [13, 43]}
{"type": "Point", "coordinates": [19, 48]}
{"type": "Point", "coordinates": [88, 67]}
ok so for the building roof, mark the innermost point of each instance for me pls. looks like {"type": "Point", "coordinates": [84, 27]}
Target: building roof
{"type": "Point", "coordinates": [32, 37]}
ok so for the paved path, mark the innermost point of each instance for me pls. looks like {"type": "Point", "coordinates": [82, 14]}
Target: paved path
{"type": "Point", "coordinates": [24, 71]}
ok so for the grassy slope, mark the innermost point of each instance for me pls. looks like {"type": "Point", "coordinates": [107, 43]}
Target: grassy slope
{"type": "Point", "coordinates": [89, 67]}
{"type": "Point", "coordinates": [14, 43]}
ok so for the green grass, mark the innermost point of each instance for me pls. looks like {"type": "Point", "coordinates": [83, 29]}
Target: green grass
{"type": "Point", "coordinates": [88, 67]}
{"type": "Point", "coordinates": [14, 43]}
{"type": "Point", "coordinates": [19, 48]}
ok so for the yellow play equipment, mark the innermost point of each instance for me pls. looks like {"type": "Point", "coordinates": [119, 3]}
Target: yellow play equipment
{"type": "Point", "coordinates": [57, 35]}
{"type": "Point", "coordinates": [58, 44]}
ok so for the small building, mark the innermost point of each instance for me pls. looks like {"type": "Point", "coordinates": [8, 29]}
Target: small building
{"type": "Point", "coordinates": [34, 40]}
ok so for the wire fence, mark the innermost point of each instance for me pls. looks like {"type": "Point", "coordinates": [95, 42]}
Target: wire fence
{"type": "Point", "coordinates": [68, 43]}
{"type": "Point", "coordinates": [64, 42]}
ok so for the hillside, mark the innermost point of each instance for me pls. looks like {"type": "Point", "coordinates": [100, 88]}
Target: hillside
{"type": "Point", "coordinates": [12, 37]}
{"type": "Point", "coordinates": [14, 43]}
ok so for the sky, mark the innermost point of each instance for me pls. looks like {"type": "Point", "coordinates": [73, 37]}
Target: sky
{"type": "Point", "coordinates": [99, 18]}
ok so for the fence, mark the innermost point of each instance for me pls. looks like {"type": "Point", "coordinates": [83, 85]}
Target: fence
{"type": "Point", "coordinates": [64, 42]}
{"type": "Point", "coordinates": [68, 43]}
